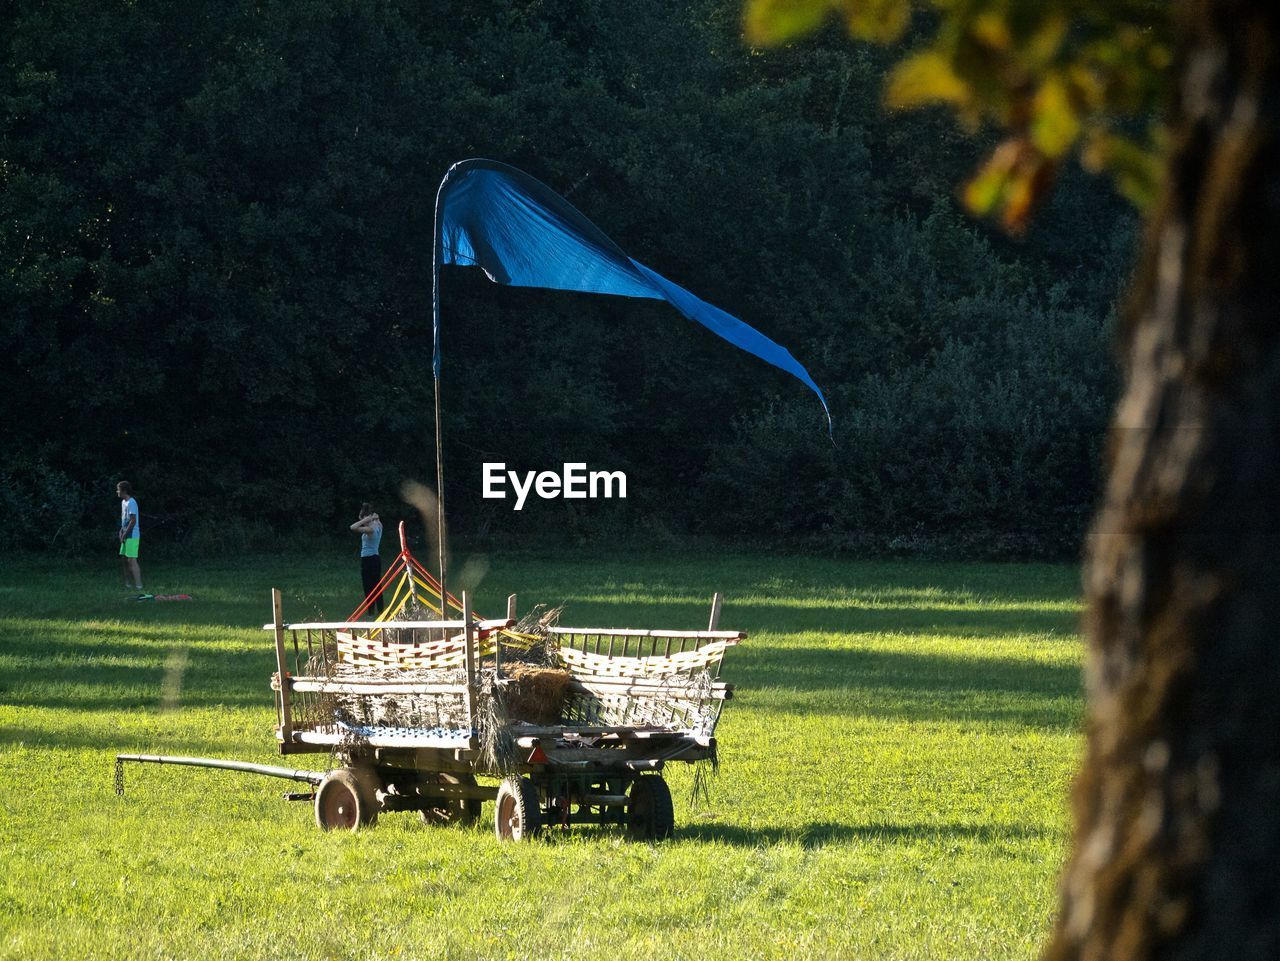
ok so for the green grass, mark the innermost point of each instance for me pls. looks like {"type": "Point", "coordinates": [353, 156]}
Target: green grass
{"type": "Point", "coordinates": [894, 778]}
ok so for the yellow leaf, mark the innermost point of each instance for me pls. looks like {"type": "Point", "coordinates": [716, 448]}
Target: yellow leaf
{"type": "Point", "coordinates": [777, 21]}
{"type": "Point", "coordinates": [983, 192]}
{"type": "Point", "coordinates": [992, 30]}
{"type": "Point", "coordinates": [1020, 196]}
{"type": "Point", "coordinates": [925, 77]}
{"type": "Point", "coordinates": [879, 20]}
{"type": "Point", "coordinates": [1054, 122]}
{"type": "Point", "coordinates": [1013, 180]}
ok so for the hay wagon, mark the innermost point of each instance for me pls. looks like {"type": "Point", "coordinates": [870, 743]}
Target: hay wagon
{"type": "Point", "coordinates": [575, 725]}
{"type": "Point", "coordinates": [416, 711]}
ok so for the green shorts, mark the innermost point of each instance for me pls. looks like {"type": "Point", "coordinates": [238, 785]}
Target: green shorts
{"type": "Point", "coordinates": [129, 546]}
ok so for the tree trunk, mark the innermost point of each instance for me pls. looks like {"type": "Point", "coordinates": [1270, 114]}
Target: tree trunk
{"type": "Point", "coordinates": [1177, 845]}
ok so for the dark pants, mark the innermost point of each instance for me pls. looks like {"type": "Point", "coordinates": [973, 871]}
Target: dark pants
{"type": "Point", "coordinates": [371, 573]}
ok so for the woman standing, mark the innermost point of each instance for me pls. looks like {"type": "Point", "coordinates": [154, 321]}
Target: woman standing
{"type": "Point", "coordinates": [369, 527]}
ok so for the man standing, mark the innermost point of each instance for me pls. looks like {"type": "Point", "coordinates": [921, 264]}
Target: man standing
{"type": "Point", "coordinates": [130, 536]}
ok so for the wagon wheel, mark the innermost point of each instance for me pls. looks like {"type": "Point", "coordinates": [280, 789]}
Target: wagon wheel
{"type": "Point", "coordinates": [448, 810]}
{"type": "Point", "coordinates": [517, 815]}
{"type": "Point", "coordinates": [345, 801]}
{"type": "Point", "coordinates": [650, 815]}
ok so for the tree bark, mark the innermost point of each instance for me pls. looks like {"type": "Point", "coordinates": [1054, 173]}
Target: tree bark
{"type": "Point", "coordinates": [1177, 806]}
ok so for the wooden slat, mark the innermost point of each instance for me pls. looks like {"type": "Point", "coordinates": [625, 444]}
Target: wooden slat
{"type": "Point", "coordinates": [384, 659]}
{"type": "Point", "coordinates": [492, 624]}
{"type": "Point", "coordinates": [448, 652]}
{"type": "Point", "coordinates": [372, 625]}
{"type": "Point", "coordinates": [628, 632]}
{"type": "Point", "coordinates": [595, 664]}
{"type": "Point", "coordinates": [320, 685]}
{"type": "Point", "coordinates": [350, 642]}
{"type": "Point", "coordinates": [587, 730]}
{"type": "Point", "coordinates": [415, 741]}
{"type": "Point", "coordinates": [615, 690]}
{"type": "Point", "coordinates": [469, 655]}
{"type": "Point", "coordinates": [286, 714]}
{"type": "Point", "coordinates": [647, 682]}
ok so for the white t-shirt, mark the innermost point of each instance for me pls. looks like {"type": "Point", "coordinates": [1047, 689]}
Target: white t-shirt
{"type": "Point", "coordinates": [130, 506]}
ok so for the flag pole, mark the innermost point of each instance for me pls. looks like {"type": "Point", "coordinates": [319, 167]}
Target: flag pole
{"type": "Point", "coordinates": [444, 595]}
{"type": "Point", "coordinates": [437, 243]}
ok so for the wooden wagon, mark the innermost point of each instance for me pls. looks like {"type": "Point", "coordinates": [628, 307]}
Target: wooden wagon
{"type": "Point", "coordinates": [415, 711]}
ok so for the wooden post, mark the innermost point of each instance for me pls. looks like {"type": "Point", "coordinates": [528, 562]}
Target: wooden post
{"type": "Point", "coordinates": [469, 657]}
{"type": "Point", "coordinates": [715, 611]}
{"type": "Point", "coordinates": [286, 714]}
{"type": "Point", "coordinates": [497, 644]}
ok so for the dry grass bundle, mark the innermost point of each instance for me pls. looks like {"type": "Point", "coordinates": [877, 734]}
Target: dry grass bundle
{"type": "Point", "coordinates": [540, 643]}
{"type": "Point", "coordinates": [427, 711]}
{"type": "Point", "coordinates": [535, 694]}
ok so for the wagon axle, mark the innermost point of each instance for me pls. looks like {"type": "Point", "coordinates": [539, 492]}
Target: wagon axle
{"type": "Point", "coordinates": [352, 797]}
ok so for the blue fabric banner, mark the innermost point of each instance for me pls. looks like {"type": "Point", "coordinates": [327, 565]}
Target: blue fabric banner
{"type": "Point", "coordinates": [521, 233]}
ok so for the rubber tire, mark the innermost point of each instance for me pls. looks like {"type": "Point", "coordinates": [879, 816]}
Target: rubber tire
{"type": "Point", "coordinates": [462, 811]}
{"type": "Point", "coordinates": [651, 815]}
{"type": "Point", "coordinates": [517, 815]}
{"type": "Point", "coordinates": [346, 801]}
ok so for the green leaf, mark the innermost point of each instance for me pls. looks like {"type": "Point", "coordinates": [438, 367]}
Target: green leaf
{"type": "Point", "coordinates": [1136, 170]}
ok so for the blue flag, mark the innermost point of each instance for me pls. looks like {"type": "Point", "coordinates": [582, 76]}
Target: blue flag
{"type": "Point", "coordinates": [522, 233]}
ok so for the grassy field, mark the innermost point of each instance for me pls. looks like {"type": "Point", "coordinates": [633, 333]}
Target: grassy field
{"type": "Point", "coordinates": [893, 785]}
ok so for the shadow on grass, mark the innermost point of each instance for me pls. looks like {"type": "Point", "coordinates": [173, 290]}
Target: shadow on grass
{"type": "Point", "coordinates": [216, 609]}
{"type": "Point", "coordinates": [112, 741]}
{"type": "Point", "coordinates": [97, 675]}
{"type": "Point", "coordinates": [120, 665]}
{"type": "Point", "coordinates": [890, 619]}
{"type": "Point", "coordinates": [791, 680]}
{"type": "Point", "coordinates": [106, 676]}
{"type": "Point", "coordinates": [812, 836]}
{"type": "Point", "coordinates": [788, 575]}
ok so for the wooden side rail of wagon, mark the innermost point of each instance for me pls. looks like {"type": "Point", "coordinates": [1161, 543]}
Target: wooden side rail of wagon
{"type": "Point", "coordinates": [308, 653]}
{"type": "Point", "coordinates": [623, 676]}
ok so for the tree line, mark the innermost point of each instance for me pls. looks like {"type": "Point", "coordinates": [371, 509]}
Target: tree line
{"type": "Point", "coordinates": [215, 232]}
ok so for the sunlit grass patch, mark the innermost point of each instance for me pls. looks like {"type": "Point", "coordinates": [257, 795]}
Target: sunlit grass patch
{"type": "Point", "coordinates": [893, 785]}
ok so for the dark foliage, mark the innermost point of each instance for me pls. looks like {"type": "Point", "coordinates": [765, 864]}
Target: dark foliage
{"type": "Point", "coordinates": [215, 245]}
